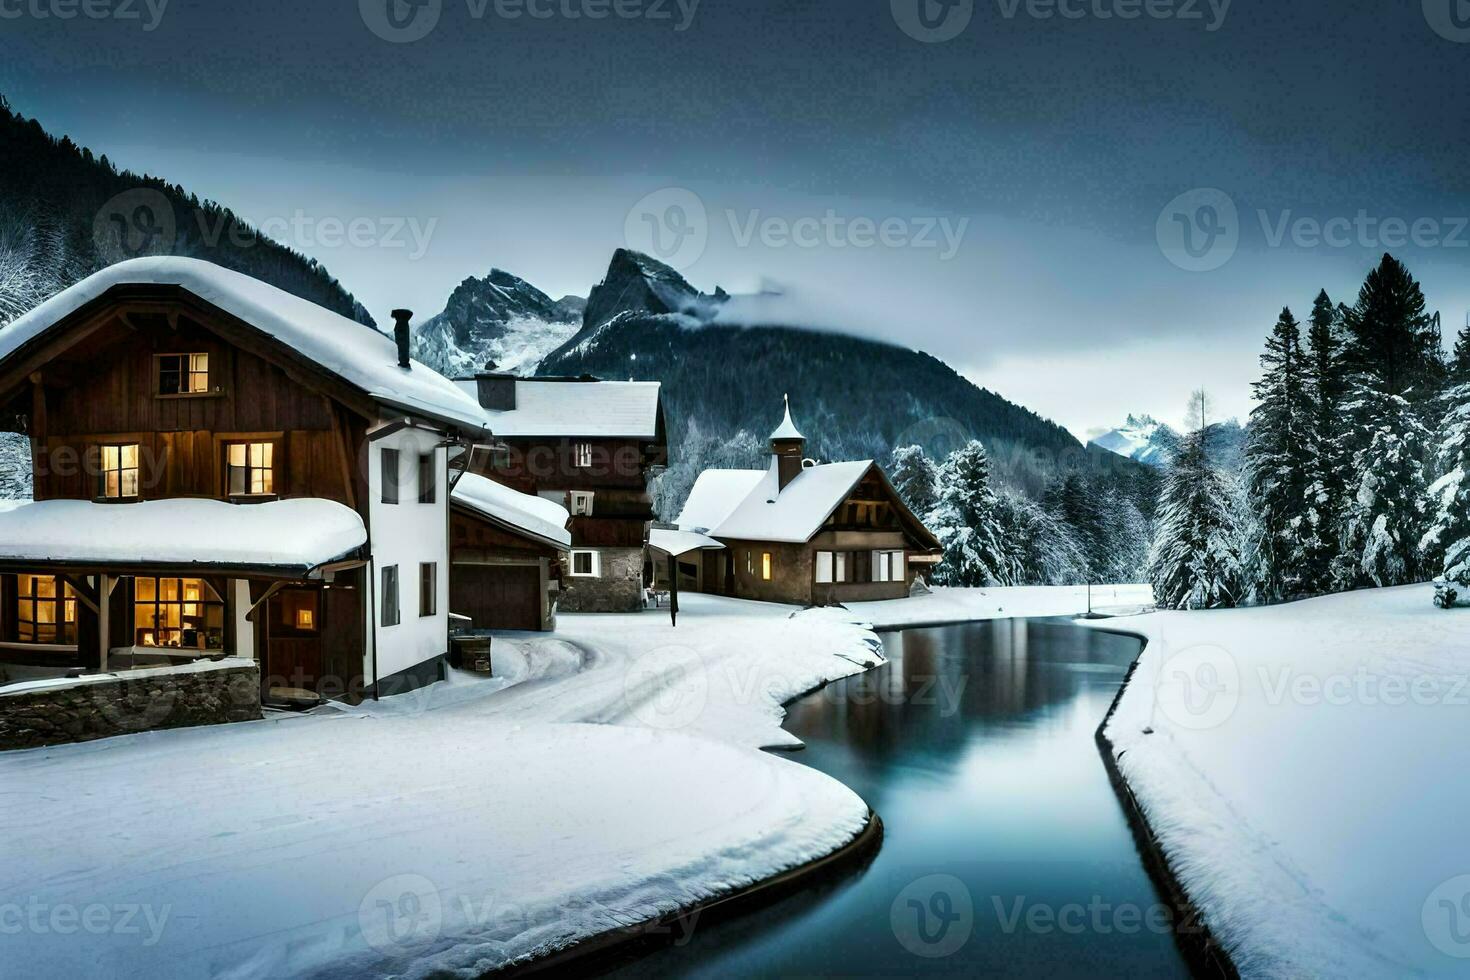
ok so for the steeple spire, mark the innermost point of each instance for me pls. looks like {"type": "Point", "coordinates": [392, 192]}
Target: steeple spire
{"type": "Point", "coordinates": [787, 429]}
{"type": "Point", "coordinates": [788, 446]}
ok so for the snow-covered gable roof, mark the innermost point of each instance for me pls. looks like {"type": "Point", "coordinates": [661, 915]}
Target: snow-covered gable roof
{"type": "Point", "coordinates": [287, 535]}
{"type": "Point", "coordinates": [596, 409]}
{"type": "Point", "coordinates": [536, 516]}
{"type": "Point", "coordinates": [361, 356]}
{"type": "Point", "coordinates": [796, 513]}
{"type": "Point", "coordinates": [793, 515]}
{"type": "Point", "coordinates": [714, 497]}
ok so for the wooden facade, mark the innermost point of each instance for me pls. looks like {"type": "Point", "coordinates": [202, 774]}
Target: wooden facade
{"type": "Point", "coordinates": [607, 475]}
{"type": "Point", "coordinates": [110, 422]}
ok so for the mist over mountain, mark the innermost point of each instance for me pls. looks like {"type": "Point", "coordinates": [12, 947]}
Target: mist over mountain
{"type": "Point", "coordinates": [853, 398]}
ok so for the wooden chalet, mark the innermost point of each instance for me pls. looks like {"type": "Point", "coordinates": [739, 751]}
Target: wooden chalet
{"type": "Point", "coordinates": [589, 446]}
{"type": "Point", "coordinates": [797, 532]}
{"type": "Point", "coordinates": [224, 469]}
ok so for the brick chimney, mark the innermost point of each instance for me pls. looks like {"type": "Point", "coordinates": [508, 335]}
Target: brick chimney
{"type": "Point", "coordinates": [497, 392]}
{"type": "Point", "coordinates": [788, 445]}
{"type": "Point", "coordinates": [401, 335]}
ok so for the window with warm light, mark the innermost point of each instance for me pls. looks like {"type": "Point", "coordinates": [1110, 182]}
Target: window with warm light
{"type": "Point", "coordinates": [250, 469]}
{"type": "Point", "coordinates": [766, 566]}
{"type": "Point", "coordinates": [119, 474]}
{"type": "Point", "coordinates": [298, 612]}
{"type": "Point", "coordinates": [177, 613]}
{"type": "Point", "coordinates": [183, 374]}
{"type": "Point", "coordinates": [46, 611]}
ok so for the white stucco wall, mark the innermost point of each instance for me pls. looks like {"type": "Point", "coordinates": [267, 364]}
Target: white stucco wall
{"type": "Point", "coordinates": [406, 534]}
{"type": "Point", "coordinates": [244, 628]}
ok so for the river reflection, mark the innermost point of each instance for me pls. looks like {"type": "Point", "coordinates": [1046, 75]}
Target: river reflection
{"type": "Point", "coordinates": [1005, 853]}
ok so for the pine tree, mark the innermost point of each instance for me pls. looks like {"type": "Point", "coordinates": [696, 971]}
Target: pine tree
{"type": "Point", "coordinates": [1197, 556]}
{"type": "Point", "coordinates": [1390, 337]}
{"type": "Point", "coordinates": [1278, 460]}
{"type": "Point", "coordinates": [1039, 548]}
{"type": "Point", "coordinates": [1459, 367]}
{"type": "Point", "coordinates": [1328, 463]}
{"type": "Point", "coordinates": [914, 476]}
{"type": "Point", "coordinates": [965, 521]}
{"type": "Point", "coordinates": [1386, 520]}
{"type": "Point", "coordinates": [1448, 502]}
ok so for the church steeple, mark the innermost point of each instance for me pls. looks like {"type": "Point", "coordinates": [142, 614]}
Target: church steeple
{"type": "Point", "coordinates": [788, 445]}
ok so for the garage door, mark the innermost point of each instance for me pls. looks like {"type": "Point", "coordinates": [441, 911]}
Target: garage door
{"type": "Point", "coordinates": [502, 597]}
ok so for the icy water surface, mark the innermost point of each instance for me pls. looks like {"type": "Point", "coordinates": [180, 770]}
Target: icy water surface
{"type": "Point", "coordinates": [1005, 853]}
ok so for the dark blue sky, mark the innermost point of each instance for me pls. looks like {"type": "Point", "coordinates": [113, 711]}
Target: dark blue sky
{"type": "Point", "coordinates": [1049, 147]}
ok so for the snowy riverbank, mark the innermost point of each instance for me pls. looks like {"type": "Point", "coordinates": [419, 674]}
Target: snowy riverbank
{"type": "Point", "coordinates": [963, 605]}
{"type": "Point", "coordinates": [453, 829]}
{"type": "Point", "coordinates": [1303, 767]}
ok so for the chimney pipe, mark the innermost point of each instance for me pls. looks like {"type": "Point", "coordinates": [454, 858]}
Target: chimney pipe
{"type": "Point", "coordinates": [401, 335]}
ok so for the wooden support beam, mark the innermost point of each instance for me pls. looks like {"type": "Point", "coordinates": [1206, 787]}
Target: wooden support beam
{"type": "Point", "coordinates": [104, 617]}
{"type": "Point", "coordinates": [86, 595]}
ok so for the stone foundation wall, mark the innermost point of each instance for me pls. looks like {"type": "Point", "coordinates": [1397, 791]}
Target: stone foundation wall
{"type": "Point", "coordinates": [132, 701]}
{"type": "Point", "coordinates": [618, 589]}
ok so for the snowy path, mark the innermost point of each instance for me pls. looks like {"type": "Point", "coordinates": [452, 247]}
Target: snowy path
{"type": "Point", "coordinates": [1304, 767]}
{"type": "Point", "coordinates": [453, 830]}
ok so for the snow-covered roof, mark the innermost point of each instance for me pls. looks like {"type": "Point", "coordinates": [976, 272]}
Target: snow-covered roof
{"type": "Point", "coordinates": [762, 513]}
{"type": "Point", "coordinates": [797, 512]}
{"type": "Point", "coordinates": [289, 535]}
{"type": "Point", "coordinates": [536, 516]}
{"type": "Point", "coordinates": [598, 409]}
{"type": "Point", "coordinates": [714, 497]}
{"type": "Point", "coordinates": [359, 355]}
{"type": "Point", "coordinates": [787, 429]}
{"type": "Point", "coordinates": [679, 543]}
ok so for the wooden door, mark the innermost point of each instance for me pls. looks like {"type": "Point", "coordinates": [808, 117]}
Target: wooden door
{"type": "Point", "coordinates": [501, 597]}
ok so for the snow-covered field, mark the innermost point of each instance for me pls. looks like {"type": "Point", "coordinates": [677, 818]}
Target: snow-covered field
{"type": "Point", "coordinates": [608, 775]}
{"type": "Point", "coordinates": [1305, 768]}
{"type": "Point", "coordinates": [958, 605]}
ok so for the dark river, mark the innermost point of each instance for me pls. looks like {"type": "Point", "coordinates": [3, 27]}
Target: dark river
{"type": "Point", "coordinates": [1006, 853]}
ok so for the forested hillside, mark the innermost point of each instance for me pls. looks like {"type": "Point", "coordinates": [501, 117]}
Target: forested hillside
{"type": "Point", "coordinates": [65, 213]}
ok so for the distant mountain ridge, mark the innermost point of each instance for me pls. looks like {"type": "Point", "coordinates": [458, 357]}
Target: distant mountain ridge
{"type": "Point", "coordinates": [853, 398]}
{"type": "Point", "coordinates": [1146, 440]}
{"type": "Point", "coordinates": [500, 319]}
